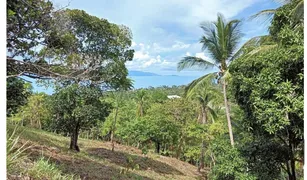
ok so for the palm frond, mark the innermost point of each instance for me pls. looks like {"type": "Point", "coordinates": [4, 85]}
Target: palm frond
{"type": "Point", "coordinates": [252, 44]}
{"type": "Point", "coordinates": [298, 12]}
{"type": "Point", "coordinates": [199, 83]}
{"type": "Point", "coordinates": [212, 114]}
{"type": "Point", "coordinates": [261, 49]}
{"type": "Point", "coordinates": [191, 61]}
{"type": "Point", "coordinates": [221, 38]}
{"type": "Point", "coordinates": [267, 14]}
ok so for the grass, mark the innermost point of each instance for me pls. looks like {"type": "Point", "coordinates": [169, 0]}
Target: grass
{"type": "Point", "coordinates": [43, 169]}
{"type": "Point", "coordinates": [97, 161]}
{"type": "Point", "coordinates": [14, 153]}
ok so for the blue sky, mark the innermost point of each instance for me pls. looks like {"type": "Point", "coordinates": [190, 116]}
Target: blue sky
{"type": "Point", "coordinates": [164, 31]}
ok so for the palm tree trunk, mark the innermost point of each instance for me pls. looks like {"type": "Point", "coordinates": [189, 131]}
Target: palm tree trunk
{"type": "Point", "coordinates": [113, 128]}
{"type": "Point", "coordinates": [203, 145]}
{"type": "Point", "coordinates": [228, 114]}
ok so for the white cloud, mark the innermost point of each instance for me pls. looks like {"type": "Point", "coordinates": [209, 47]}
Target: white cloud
{"type": "Point", "coordinates": [176, 46]}
{"type": "Point", "coordinates": [133, 44]}
{"type": "Point", "coordinates": [180, 45]}
{"type": "Point", "coordinates": [166, 28]}
{"type": "Point", "coordinates": [141, 55]}
{"type": "Point", "coordinates": [201, 55]}
{"type": "Point", "coordinates": [188, 54]}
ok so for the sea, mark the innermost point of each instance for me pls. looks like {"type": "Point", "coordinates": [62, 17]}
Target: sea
{"type": "Point", "coordinates": [138, 82]}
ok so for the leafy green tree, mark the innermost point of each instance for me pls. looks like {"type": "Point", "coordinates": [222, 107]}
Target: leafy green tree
{"type": "Point", "coordinates": [118, 100]}
{"type": "Point", "coordinates": [27, 23]}
{"type": "Point", "coordinates": [296, 13]}
{"type": "Point", "coordinates": [78, 108]}
{"type": "Point", "coordinates": [140, 97]}
{"type": "Point", "coordinates": [207, 95]}
{"type": "Point", "coordinates": [269, 88]}
{"type": "Point", "coordinates": [221, 39]}
{"type": "Point", "coordinates": [74, 45]}
{"type": "Point", "coordinates": [36, 112]}
{"type": "Point", "coordinates": [17, 93]}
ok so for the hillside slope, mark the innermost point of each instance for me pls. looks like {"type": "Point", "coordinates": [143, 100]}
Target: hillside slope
{"type": "Point", "coordinates": [97, 161]}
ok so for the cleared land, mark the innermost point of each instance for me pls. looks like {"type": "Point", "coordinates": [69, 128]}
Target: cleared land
{"type": "Point", "coordinates": [97, 161]}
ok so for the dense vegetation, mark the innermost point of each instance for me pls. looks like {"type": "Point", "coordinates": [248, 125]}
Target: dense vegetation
{"type": "Point", "coordinates": [243, 122]}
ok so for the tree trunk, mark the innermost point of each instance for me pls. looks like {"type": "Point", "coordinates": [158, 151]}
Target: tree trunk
{"type": "Point", "coordinates": [39, 124]}
{"type": "Point", "coordinates": [202, 156]}
{"type": "Point", "coordinates": [74, 139]}
{"type": "Point", "coordinates": [292, 159]}
{"type": "Point", "coordinates": [113, 128]}
{"type": "Point", "coordinates": [179, 147]}
{"type": "Point", "coordinates": [158, 147]}
{"type": "Point", "coordinates": [228, 114]}
{"type": "Point", "coordinates": [203, 145]}
{"type": "Point", "coordinates": [141, 109]}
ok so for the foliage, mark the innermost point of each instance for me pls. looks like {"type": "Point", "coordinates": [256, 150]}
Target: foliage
{"type": "Point", "coordinates": [92, 49]}
{"type": "Point", "coordinates": [43, 169]}
{"type": "Point", "coordinates": [27, 23]}
{"type": "Point", "coordinates": [17, 92]}
{"type": "Point", "coordinates": [229, 163]}
{"type": "Point", "coordinates": [78, 108]}
{"type": "Point", "coordinates": [36, 112]}
{"type": "Point", "coordinates": [269, 89]}
{"type": "Point", "coordinates": [14, 154]}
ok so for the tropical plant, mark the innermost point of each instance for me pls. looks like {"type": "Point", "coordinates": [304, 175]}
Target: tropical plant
{"type": "Point", "coordinates": [296, 13]}
{"type": "Point", "coordinates": [269, 89]}
{"type": "Point", "coordinates": [17, 93]}
{"type": "Point", "coordinates": [140, 98]}
{"type": "Point", "coordinates": [36, 112]}
{"type": "Point", "coordinates": [118, 100]}
{"type": "Point", "coordinates": [14, 154]}
{"type": "Point", "coordinates": [78, 108]}
{"type": "Point", "coordinates": [44, 169]}
{"type": "Point", "coordinates": [221, 39]}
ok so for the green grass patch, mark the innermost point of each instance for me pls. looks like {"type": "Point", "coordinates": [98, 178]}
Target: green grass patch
{"type": "Point", "coordinates": [43, 169]}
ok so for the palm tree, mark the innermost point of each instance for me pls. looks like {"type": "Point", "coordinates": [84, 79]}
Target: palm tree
{"type": "Point", "coordinates": [140, 97]}
{"type": "Point", "coordinates": [118, 99]}
{"type": "Point", "coordinates": [208, 98]}
{"type": "Point", "coordinates": [220, 38]}
{"type": "Point", "coordinates": [297, 12]}
{"type": "Point", "coordinates": [261, 44]}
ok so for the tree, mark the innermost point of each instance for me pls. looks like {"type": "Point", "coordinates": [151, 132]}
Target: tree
{"type": "Point", "coordinates": [118, 100]}
{"type": "Point", "coordinates": [140, 98]}
{"type": "Point", "coordinates": [296, 13]}
{"type": "Point", "coordinates": [269, 89]}
{"type": "Point", "coordinates": [35, 112]}
{"type": "Point", "coordinates": [17, 93]}
{"type": "Point", "coordinates": [207, 96]}
{"type": "Point", "coordinates": [78, 108]}
{"type": "Point", "coordinates": [221, 39]}
{"type": "Point", "coordinates": [74, 46]}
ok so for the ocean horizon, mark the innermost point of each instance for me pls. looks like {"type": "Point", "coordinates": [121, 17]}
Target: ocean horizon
{"type": "Point", "coordinates": [139, 82]}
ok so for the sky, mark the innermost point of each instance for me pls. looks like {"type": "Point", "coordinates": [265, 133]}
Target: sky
{"type": "Point", "coordinates": [164, 31]}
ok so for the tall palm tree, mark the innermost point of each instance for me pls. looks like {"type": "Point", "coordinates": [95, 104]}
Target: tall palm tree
{"type": "Point", "coordinates": [118, 99]}
{"type": "Point", "coordinates": [221, 39]}
{"type": "Point", "coordinates": [208, 98]}
{"type": "Point", "coordinates": [140, 97]}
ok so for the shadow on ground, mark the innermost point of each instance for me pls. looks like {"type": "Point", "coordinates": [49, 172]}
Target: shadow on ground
{"type": "Point", "coordinates": [86, 168]}
{"type": "Point", "coordinates": [121, 159]}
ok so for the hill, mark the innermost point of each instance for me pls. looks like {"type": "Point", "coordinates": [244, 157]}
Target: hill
{"type": "Point", "coordinates": [142, 73]}
{"type": "Point", "coordinates": [97, 161]}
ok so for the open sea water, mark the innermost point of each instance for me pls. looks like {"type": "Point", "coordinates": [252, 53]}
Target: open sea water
{"type": "Point", "coordinates": [140, 82]}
